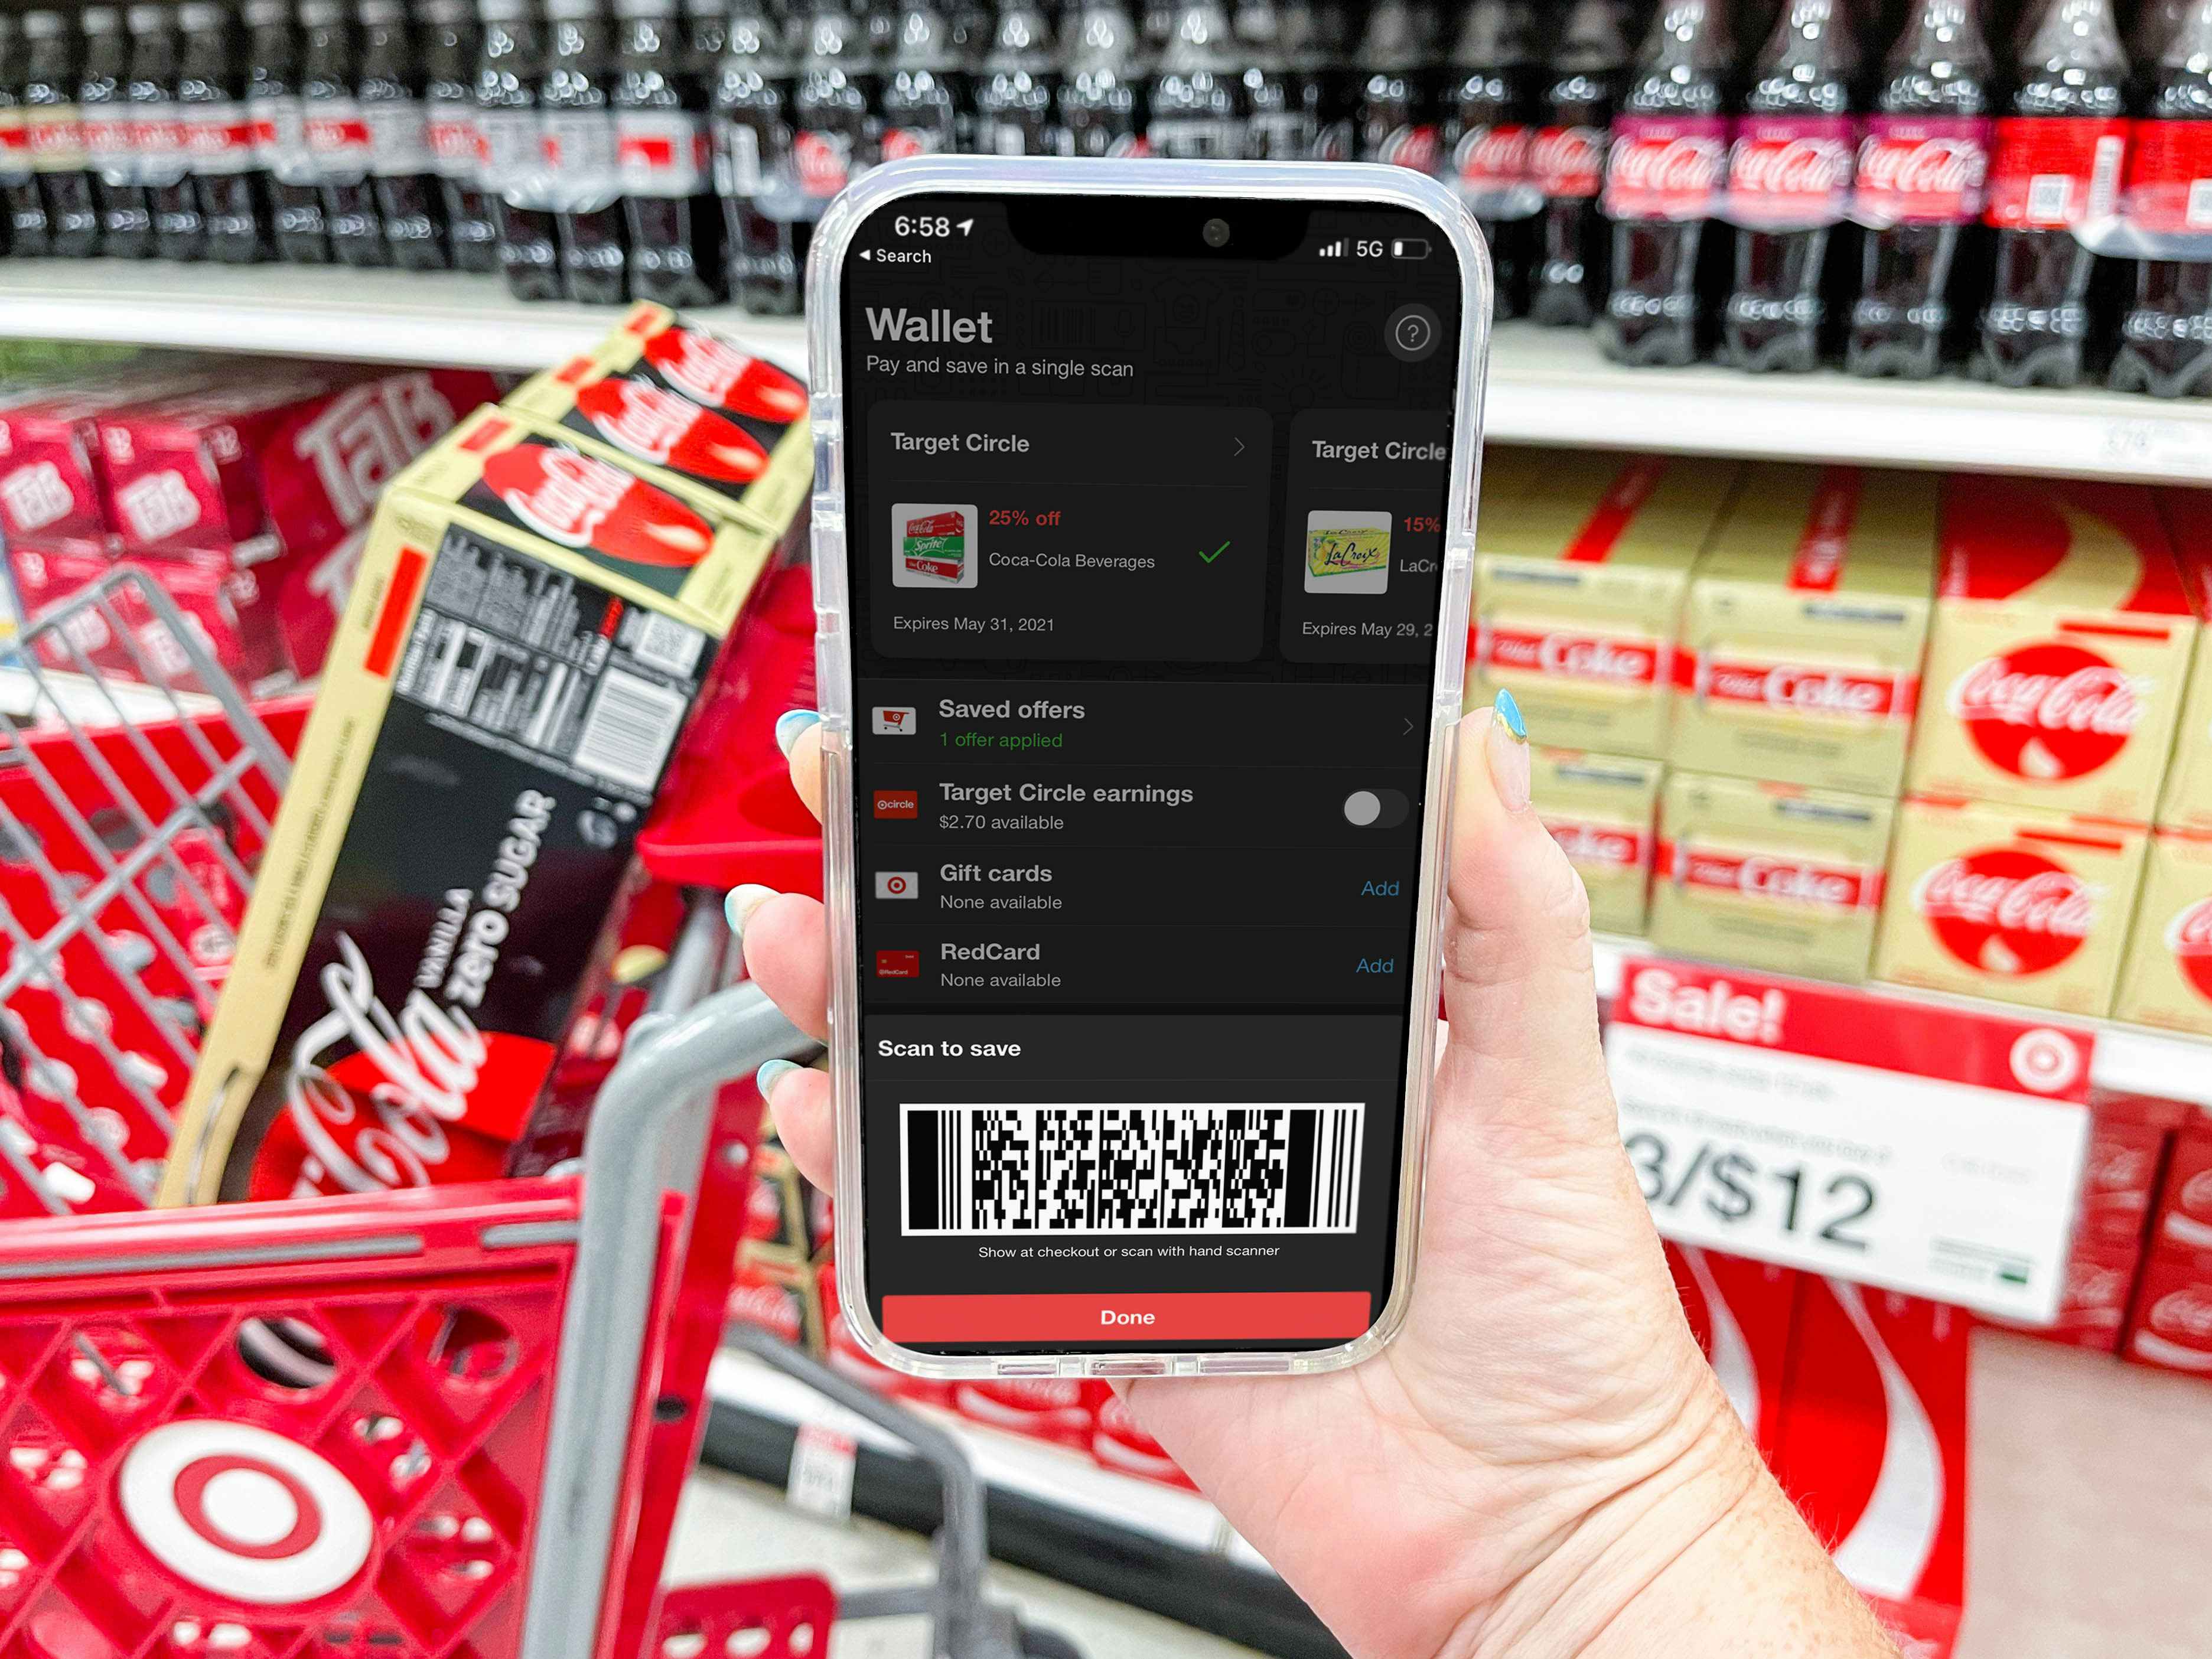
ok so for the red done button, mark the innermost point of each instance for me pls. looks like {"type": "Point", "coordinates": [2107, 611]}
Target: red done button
{"type": "Point", "coordinates": [1184, 1316]}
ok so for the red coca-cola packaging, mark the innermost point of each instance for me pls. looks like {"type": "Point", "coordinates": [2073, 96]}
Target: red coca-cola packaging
{"type": "Point", "coordinates": [2060, 649]}
{"type": "Point", "coordinates": [2124, 1167]}
{"type": "Point", "coordinates": [2171, 1324]}
{"type": "Point", "coordinates": [1874, 1450]}
{"type": "Point", "coordinates": [1666, 167]}
{"type": "Point", "coordinates": [50, 471]}
{"type": "Point", "coordinates": [1059, 1409]}
{"type": "Point", "coordinates": [1118, 1444]}
{"type": "Point", "coordinates": [2093, 1303]}
{"type": "Point", "coordinates": [780, 1299]}
{"type": "Point", "coordinates": [2184, 1220]}
{"type": "Point", "coordinates": [843, 1354]}
{"type": "Point", "coordinates": [1741, 1313]}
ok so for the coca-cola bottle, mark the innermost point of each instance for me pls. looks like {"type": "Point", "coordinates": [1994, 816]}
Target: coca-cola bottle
{"type": "Point", "coordinates": [752, 103]}
{"type": "Point", "coordinates": [280, 132]}
{"type": "Point", "coordinates": [1790, 180]}
{"type": "Point", "coordinates": [2055, 162]}
{"type": "Point", "coordinates": [337, 133]}
{"type": "Point", "coordinates": [22, 211]}
{"type": "Point", "coordinates": [1922, 168]}
{"type": "Point", "coordinates": [1196, 111]}
{"type": "Point", "coordinates": [508, 72]}
{"type": "Point", "coordinates": [126, 222]}
{"type": "Point", "coordinates": [1487, 135]}
{"type": "Point", "coordinates": [1014, 94]}
{"type": "Point", "coordinates": [574, 102]}
{"type": "Point", "coordinates": [402, 174]}
{"type": "Point", "coordinates": [2155, 24]}
{"type": "Point", "coordinates": [158, 136]}
{"type": "Point", "coordinates": [926, 92]}
{"type": "Point", "coordinates": [1101, 101]}
{"type": "Point", "coordinates": [2165, 327]}
{"type": "Point", "coordinates": [227, 175]}
{"type": "Point", "coordinates": [1567, 164]}
{"type": "Point", "coordinates": [51, 75]}
{"type": "Point", "coordinates": [450, 43]}
{"type": "Point", "coordinates": [1397, 116]}
{"type": "Point", "coordinates": [974, 25]}
{"type": "Point", "coordinates": [1321, 37]}
{"type": "Point", "coordinates": [1663, 173]}
{"type": "Point", "coordinates": [660, 98]}
{"type": "Point", "coordinates": [832, 133]}
{"type": "Point", "coordinates": [1281, 101]}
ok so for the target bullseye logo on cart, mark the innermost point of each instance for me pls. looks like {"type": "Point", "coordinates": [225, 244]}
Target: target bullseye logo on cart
{"type": "Point", "coordinates": [244, 1513]}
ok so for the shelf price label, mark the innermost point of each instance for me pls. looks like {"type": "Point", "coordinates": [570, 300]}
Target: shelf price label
{"type": "Point", "coordinates": [1876, 1138]}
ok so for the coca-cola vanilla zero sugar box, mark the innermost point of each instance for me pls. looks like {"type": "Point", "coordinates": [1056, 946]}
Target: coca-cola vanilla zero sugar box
{"type": "Point", "coordinates": [1602, 810]}
{"type": "Point", "coordinates": [529, 633]}
{"type": "Point", "coordinates": [1768, 875]}
{"type": "Point", "coordinates": [2060, 650]}
{"type": "Point", "coordinates": [1807, 616]}
{"type": "Point", "coordinates": [2187, 804]}
{"type": "Point", "coordinates": [1578, 592]}
{"type": "Point", "coordinates": [2009, 902]}
{"type": "Point", "coordinates": [2167, 978]}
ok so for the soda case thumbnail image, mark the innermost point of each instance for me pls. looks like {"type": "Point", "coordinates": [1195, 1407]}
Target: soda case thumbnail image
{"type": "Point", "coordinates": [1578, 590]}
{"type": "Point", "coordinates": [1770, 875]}
{"type": "Point", "coordinates": [2009, 902]}
{"type": "Point", "coordinates": [528, 634]}
{"type": "Point", "coordinates": [2060, 650]}
{"type": "Point", "coordinates": [1600, 809]}
{"type": "Point", "coordinates": [1807, 620]}
{"type": "Point", "coordinates": [2187, 802]}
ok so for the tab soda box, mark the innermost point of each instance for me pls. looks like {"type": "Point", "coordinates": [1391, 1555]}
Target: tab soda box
{"type": "Point", "coordinates": [529, 633]}
{"type": "Point", "coordinates": [2188, 801]}
{"type": "Point", "coordinates": [1808, 616]}
{"type": "Point", "coordinates": [2167, 979]}
{"type": "Point", "coordinates": [1578, 590]}
{"type": "Point", "coordinates": [1600, 809]}
{"type": "Point", "coordinates": [1768, 875]}
{"type": "Point", "coordinates": [667, 391]}
{"type": "Point", "coordinates": [2060, 648]}
{"type": "Point", "coordinates": [2007, 902]}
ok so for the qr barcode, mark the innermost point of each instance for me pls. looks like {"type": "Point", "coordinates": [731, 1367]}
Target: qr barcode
{"type": "Point", "coordinates": [2049, 195]}
{"type": "Point", "coordinates": [2199, 215]}
{"type": "Point", "coordinates": [1194, 1168]}
{"type": "Point", "coordinates": [629, 730]}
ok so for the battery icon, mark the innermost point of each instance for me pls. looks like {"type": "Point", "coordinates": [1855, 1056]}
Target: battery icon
{"type": "Point", "coordinates": [1410, 247]}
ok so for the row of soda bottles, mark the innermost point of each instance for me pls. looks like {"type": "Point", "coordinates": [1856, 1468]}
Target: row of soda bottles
{"type": "Point", "coordinates": [1678, 198]}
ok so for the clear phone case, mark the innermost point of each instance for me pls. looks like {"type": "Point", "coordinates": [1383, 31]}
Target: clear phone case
{"type": "Point", "coordinates": [1331, 183]}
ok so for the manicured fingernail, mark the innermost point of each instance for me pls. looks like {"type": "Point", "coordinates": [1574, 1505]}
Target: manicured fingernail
{"type": "Point", "coordinates": [770, 1075]}
{"type": "Point", "coordinates": [738, 908]}
{"type": "Point", "coordinates": [790, 724]}
{"type": "Point", "coordinates": [1507, 741]}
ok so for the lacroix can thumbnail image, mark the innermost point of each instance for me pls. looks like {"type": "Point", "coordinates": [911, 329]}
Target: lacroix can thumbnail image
{"type": "Point", "coordinates": [2187, 804]}
{"type": "Point", "coordinates": [2060, 649]}
{"type": "Point", "coordinates": [2167, 979]}
{"type": "Point", "coordinates": [1601, 808]}
{"type": "Point", "coordinates": [2009, 902]}
{"type": "Point", "coordinates": [1578, 590]}
{"type": "Point", "coordinates": [1807, 616]}
{"type": "Point", "coordinates": [531, 629]}
{"type": "Point", "coordinates": [1768, 875]}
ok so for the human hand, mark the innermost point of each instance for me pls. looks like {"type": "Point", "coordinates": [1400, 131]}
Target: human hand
{"type": "Point", "coordinates": [1541, 1462]}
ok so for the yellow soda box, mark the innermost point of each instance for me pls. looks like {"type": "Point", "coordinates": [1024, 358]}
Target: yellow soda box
{"type": "Point", "coordinates": [2009, 902]}
{"type": "Point", "coordinates": [1768, 875]}
{"type": "Point", "coordinates": [1600, 809]}
{"type": "Point", "coordinates": [2167, 978]}
{"type": "Point", "coordinates": [1807, 616]}
{"type": "Point", "coordinates": [1578, 590]}
{"type": "Point", "coordinates": [529, 633]}
{"type": "Point", "coordinates": [2187, 804]}
{"type": "Point", "coordinates": [2060, 650]}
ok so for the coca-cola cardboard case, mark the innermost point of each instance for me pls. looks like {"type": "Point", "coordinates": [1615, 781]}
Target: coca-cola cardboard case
{"type": "Point", "coordinates": [2172, 1325]}
{"type": "Point", "coordinates": [2007, 902]}
{"type": "Point", "coordinates": [1874, 1450]}
{"type": "Point", "coordinates": [1801, 649]}
{"type": "Point", "coordinates": [1742, 1312]}
{"type": "Point", "coordinates": [2187, 804]}
{"type": "Point", "coordinates": [2167, 979]}
{"type": "Point", "coordinates": [1768, 875]}
{"type": "Point", "coordinates": [667, 391]}
{"type": "Point", "coordinates": [1578, 590]}
{"type": "Point", "coordinates": [529, 632]}
{"type": "Point", "coordinates": [1600, 809]}
{"type": "Point", "coordinates": [2093, 1303]}
{"type": "Point", "coordinates": [2060, 650]}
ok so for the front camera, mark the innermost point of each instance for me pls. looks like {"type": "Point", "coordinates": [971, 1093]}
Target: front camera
{"type": "Point", "coordinates": [1217, 233]}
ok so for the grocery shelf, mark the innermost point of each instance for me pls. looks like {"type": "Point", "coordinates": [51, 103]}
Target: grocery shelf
{"type": "Point", "coordinates": [1546, 386]}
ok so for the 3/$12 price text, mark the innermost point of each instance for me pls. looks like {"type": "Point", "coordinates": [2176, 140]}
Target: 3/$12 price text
{"type": "Point", "coordinates": [1801, 1198]}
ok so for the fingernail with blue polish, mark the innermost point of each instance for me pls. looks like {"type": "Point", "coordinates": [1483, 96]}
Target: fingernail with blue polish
{"type": "Point", "coordinates": [790, 724]}
{"type": "Point", "coordinates": [770, 1075]}
{"type": "Point", "coordinates": [738, 906]}
{"type": "Point", "coordinates": [1509, 712]}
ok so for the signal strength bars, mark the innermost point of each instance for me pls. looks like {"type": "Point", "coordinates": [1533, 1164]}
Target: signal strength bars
{"type": "Point", "coordinates": [1334, 250]}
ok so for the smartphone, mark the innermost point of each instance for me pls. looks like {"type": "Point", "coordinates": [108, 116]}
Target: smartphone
{"type": "Point", "coordinates": [1143, 531]}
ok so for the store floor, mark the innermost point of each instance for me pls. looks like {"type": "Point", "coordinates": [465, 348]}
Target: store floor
{"type": "Point", "coordinates": [2092, 1486]}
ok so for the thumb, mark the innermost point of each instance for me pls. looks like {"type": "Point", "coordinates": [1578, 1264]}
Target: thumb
{"type": "Point", "coordinates": [1517, 981]}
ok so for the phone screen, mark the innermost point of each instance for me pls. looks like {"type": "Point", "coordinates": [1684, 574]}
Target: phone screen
{"type": "Point", "coordinates": [1144, 526]}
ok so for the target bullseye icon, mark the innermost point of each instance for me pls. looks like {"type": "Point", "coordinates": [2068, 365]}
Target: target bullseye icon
{"type": "Point", "coordinates": [243, 1512]}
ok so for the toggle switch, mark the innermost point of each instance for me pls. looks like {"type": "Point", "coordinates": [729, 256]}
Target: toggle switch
{"type": "Point", "coordinates": [1375, 809]}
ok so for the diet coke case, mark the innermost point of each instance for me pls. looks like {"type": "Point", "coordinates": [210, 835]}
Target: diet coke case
{"type": "Point", "coordinates": [530, 630]}
{"type": "Point", "coordinates": [1742, 1313]}
{"type": "Point", "coordinates": [1601, 808]}
{"type": "Point", "coordinates": [2061, 646]}
{"type": "Point", "coordinates": [1770, 875]}
{"type": "Point", "coordinates": [1807, 616]}
{"type": "Point", "coordinates": [2187, 804]}
{"type": "Point", "coordinates": [1874, 1450]}
{"type": "Point", "coordinates": [2007, 902]}
{"type": "Point", "coordinates": [2167, 979]}
{"type": "Point", "coordinates": [671, 393]}
{"type": "Point", "coordinates": [1578, 592]}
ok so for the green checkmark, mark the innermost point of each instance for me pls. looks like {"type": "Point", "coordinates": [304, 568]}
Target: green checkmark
{"type": "Point", "coordinates": [1216, 553]}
